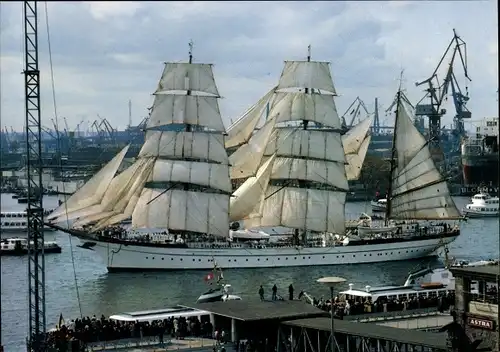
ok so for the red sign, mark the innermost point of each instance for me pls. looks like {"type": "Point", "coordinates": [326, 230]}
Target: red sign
{"type": "Point", "coordinates": [481, 323]}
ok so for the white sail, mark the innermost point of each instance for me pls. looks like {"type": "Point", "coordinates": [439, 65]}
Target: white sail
{"type": "Point", "coordinates": [308, 183]}
{"type": "Point", "coordinates": [120, 190]}
{"type": "Point", "coordinates": [180, 181]}
{"type": "Point", "coordinates": [241, 130]}
{"type": "Point", "coordinates": [181, 210]}
{"type": "Point", "coordinates": [124, 209]}
{"type": "Point", "coordinates": [246, 159]}
{"type": "Point", "coordinates": [309, 144]}
{"type": "Point", "coordinates": [353, 138]}
{"type": "Point", "coordinates": [356, 142]}
{"type": "Point", "coordinates": [185, 109]}
{"type": "Point", "coordinates": [199, 173]}
{"type": "Point", "coordinates": [248, 195]}
{"type": "Point", "coordinates": [307, 74]}
{"type": "Point", "coordinates": [354, 161]}
{"type": "Point", "coordinates": [92, 192]}
{"type": "Point", "coordinates": [188, 189]}
{"type": "Point", "coordinates": [181, 144]}
{"type": "Point", "coordinates": [418, 189]}
{"type": "Point", "coordinates": [300, 208]}
{"type": "Point", "coordinates": [295, 106]}
{"type": "Point", "coordinates": [196, 77]}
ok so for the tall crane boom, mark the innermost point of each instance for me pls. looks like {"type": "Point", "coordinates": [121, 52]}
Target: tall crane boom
{"type": "Point", "coordinates": [36, 261]}
{"type": "Point", "coordinates": [437, 92]}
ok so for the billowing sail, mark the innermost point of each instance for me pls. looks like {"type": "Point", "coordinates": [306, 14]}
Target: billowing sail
{"type": "Point", "coordinates": [418, 189]}
{"type": "Point", "coordinates": [188, 188]}
{"type": "Point", "coordinates": [181, 76]}
{"type": "Point", "coordinates": [356, 142]}
{"type": "Point", "coordinates": [118, 193]}
{"type": "Point", "coordinates": [92, 192]}
{"type": "Point", "coordinates": [248, 195]}
{"type": "Point", "coordinates": [308, 182]}
{"type": "Point", "coordinates": [246, 159]}
{"type": "Point", "coordinates": [241, 130]}
{"type": "Point", "coordinates": [180, 180]}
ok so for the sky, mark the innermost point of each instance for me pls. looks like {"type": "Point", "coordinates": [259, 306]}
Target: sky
{"type": "Point", "coordinates": [105, 53]}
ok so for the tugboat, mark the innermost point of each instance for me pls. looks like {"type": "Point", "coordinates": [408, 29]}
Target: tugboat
{"type": "Point", "coordinates": [19, 246]}
{"type": "Point", "coordinates": [221, 291]}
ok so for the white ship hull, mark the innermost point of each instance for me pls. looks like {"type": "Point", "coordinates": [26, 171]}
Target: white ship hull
{"type": "Point", "coordinates": [479, 214]}
{"type": "Point", "coordinates": [121, 257]}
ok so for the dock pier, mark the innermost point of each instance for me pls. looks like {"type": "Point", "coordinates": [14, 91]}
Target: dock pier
{"type": "Point", "coordinates": [294, 326]}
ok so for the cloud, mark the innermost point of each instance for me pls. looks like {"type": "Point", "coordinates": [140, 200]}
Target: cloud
{"type": "Point", "coordinates": [105, 53]}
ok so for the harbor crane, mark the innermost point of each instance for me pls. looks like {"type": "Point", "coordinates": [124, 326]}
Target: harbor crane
{"type": "Point", "coordinates": [437, 92]}
{"type": "Point", "coordinates": [36, 260]}
{"type": "Point", "coordinates": [354, 110]}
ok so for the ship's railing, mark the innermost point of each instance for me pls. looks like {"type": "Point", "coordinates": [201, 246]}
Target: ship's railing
{"type": "Point", "coordinates": [406, 314]}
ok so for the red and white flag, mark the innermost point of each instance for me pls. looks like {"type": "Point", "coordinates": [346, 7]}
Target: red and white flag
{"type": "Point", "coordinates": [209, 277]}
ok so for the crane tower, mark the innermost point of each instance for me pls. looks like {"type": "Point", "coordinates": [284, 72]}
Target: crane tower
{"type": "Point", "coordinates": [437, 92]}
{"type": "Point", "coordinates": [36, 261]}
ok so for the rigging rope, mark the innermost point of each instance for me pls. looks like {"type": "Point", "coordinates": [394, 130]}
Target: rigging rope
{"type": "Point", "coordinates": [56, 119]}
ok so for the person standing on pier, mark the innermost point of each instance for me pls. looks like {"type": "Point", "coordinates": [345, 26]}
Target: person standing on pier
{"type": "Point", "coordinates": [261, 293]}
{"type": "Point", "coordinates": [275, 290]}
{"type": "Point", "coordinates": [290, 292]}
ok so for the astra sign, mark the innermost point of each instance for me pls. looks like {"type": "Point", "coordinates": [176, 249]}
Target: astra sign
{"type": "Point", "coordinates": [481, 323]}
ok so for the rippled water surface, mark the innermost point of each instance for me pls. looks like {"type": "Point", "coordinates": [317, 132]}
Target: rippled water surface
{"type": "Point", "coordinates": [103, 293]}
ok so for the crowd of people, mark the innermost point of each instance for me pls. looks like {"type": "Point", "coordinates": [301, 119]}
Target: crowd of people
{"type": "Point", "coordinates": [87, 330]}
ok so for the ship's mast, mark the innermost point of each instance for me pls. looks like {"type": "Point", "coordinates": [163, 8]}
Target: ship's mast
{"type": "Point", "coordinates": [393, 160]}
{"type": "Point", "coordinates": [302, 183]}
{"type": "Point", "coordinates": [188, 126]}
{"type": "Point", "coordinates": [306, 90]}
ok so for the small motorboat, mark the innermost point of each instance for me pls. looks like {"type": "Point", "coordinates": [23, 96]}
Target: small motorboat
{"type": "Point", "coordinates": [379, 205]}
{"type": "Point", "coordinates": [221, 292]}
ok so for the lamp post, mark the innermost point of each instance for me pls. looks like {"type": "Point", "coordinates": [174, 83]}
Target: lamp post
{"type": "Point", "coordinates": [331, 282]}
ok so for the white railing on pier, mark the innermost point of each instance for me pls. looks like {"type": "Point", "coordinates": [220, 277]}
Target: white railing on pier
{"type": "Point", "coordinates": [188, 343]}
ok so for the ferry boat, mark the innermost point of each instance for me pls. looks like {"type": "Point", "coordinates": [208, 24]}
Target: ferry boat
{"type": "Point", "coordinates": [179, 195]}
{"type": "Point", "coordinates": [19, 246]}
{"type": "Point", "coordinates": [379, 205]}
{"type": "Point", "coordinates": [425, 283]}
{"type": "Point", "coordinates": [162, 314]}
{"type": "Point", "coordinates": [483, 205]}
{"type": "Point", "coordinates": [17, 221]}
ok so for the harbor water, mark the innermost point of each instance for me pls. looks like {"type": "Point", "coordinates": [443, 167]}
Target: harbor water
{"type": "Point", "coordinates": [77, 282]}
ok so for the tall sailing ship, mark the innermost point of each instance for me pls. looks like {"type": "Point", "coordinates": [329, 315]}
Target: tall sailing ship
{"type": "Point", "coordinates": [178, 192]}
